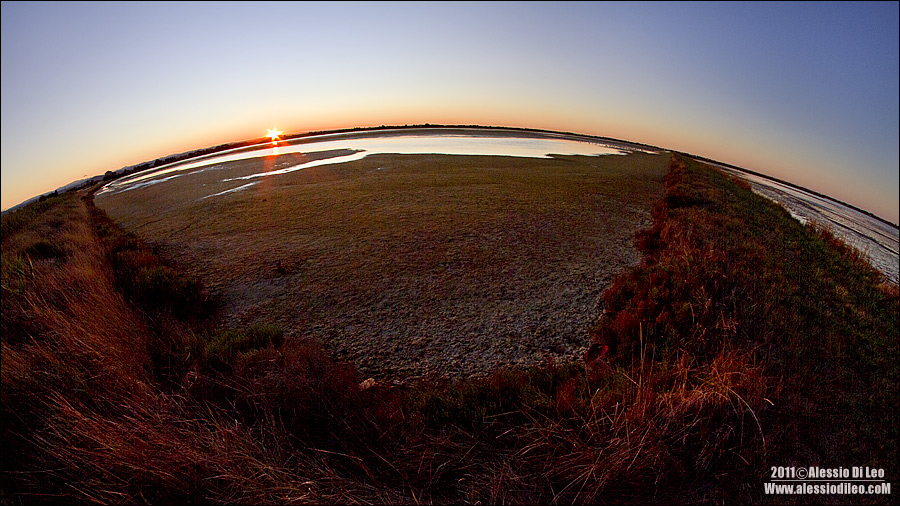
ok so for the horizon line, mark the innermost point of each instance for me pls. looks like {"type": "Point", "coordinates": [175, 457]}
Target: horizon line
{"type": "Point", "coordinates": [78, 183]}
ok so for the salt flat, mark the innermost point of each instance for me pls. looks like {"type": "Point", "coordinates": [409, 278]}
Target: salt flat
{"type": "Point", "coordinates": [410, 265]}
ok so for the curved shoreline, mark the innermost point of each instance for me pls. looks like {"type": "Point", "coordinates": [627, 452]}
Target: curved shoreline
{"type": "Point", "coordinates": [413, 265]}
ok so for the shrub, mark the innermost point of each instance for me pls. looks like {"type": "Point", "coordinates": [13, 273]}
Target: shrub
{"type": "Point", "coordinates": [218, 351]}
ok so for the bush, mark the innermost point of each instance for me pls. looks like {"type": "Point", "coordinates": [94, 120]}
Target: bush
{"type": "Point", "coordinates": [218, 351]}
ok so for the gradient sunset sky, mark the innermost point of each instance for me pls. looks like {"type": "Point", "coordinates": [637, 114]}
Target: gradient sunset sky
{"type": "Point", "coordinates": [807, 92]}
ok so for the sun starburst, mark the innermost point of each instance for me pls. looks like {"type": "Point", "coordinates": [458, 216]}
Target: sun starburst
{"type": "Point", "coordinates": [274, 134]}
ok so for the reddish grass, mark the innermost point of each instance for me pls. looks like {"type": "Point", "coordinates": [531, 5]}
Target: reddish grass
{"type": "Point", "coordinates": [711, 375]}
{"type": "Point", "coordinates": [724, 269]}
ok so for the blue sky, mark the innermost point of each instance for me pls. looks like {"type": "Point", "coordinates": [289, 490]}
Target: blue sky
{"type": "Point", "coordinates": [806, 92]}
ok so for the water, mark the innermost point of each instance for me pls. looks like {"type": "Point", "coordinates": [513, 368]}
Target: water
{"type": "Point", "coordinates": [355, 145]}
{"type": "Point", "coordinates": [406, 265]}
{"type": "Point", "coordinates": [874, 238]}
{"type": "Point", "coordinates": [877, 240]}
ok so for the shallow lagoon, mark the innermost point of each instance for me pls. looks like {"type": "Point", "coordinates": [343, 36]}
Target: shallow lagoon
{"type": "Point", "coordinates": [348, 147]}
{"type": "Point", "coordinates": [876, 239]}
{"type": "Point", "coordinates": [406, 264]}
{"type": "Point", "coordinates": [411, 264]}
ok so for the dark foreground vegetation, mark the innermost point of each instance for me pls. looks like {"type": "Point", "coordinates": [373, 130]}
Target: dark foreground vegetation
{"type": "Point", "coordinates": [742, 341]}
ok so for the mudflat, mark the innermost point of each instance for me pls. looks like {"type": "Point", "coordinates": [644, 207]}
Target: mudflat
{"type": "Point", "coordinates": [410, 265]}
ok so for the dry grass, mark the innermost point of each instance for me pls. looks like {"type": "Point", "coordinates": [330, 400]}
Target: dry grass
{"type": "Point", "coordinates": [84, 418]}
{"type": "Point", "coordinates": [723, 268]}
{"type": "Point", "coordinates": [684, 411]}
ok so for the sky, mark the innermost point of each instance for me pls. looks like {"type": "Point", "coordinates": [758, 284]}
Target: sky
{"type": "Point", "coordinates": [806, 92]}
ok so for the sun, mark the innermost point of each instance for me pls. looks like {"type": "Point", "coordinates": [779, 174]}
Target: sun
{"type": "Point", "coordinates": [274, 134]}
